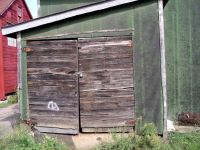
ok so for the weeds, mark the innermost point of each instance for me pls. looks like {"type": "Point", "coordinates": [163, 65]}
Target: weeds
{"type": "Point", "coordinates": [4, 105]}
{"type": "Point", "coordinates": [119, 142]}
{"type": "Point", "coordinates": [149, 140]}
{"type": "Point", "coordinates": [12, 99]}
{"type": "Point", "coordinates": [51, 144]}
{"type": "Point", "coordinates": [180, 141]}
{"type": "Point", "coordinates": [21, 139]}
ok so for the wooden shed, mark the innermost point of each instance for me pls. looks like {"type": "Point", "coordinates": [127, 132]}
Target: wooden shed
{"type": "Point", "coordinates": [94, 67]}
{"type": "Point", "coordinates": [11, 12]}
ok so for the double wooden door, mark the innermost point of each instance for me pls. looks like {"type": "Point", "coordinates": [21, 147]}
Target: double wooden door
{"type": "Point", "coordinates": [81, 85]}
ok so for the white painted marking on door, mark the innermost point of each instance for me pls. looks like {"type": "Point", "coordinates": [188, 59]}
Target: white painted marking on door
{"type": "Point", "coordinates": [53, 106]}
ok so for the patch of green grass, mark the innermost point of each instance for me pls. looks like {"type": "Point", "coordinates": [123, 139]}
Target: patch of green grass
{"type": "Point", "coordinates": [183, 141]}
{"type": "Point", "coordinates": [146, 140]}
{"type": "Point", "coordinates": [119, 142]}
{"type": "Point", "coordinates": [49, 143]}
{"type": "Point", "coordinates": [12, 99]}
{"type": "Point", "coordinates": [21, 139]}
{"type": "Point", "coordinates": [4, 105]}
{"type": "Point", "coordinates": [149, 140]}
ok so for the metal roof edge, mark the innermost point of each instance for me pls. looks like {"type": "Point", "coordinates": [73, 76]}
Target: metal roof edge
{"type": "Point", "coordinates": [64, 15]}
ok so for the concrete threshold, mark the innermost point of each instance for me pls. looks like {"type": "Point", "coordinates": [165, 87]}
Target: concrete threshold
{"type": "Point", "coordinates": [186, 129]}
{"type": "Point", "coordinates": [89, 141]}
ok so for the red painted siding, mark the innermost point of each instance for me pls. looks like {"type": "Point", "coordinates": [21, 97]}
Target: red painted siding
{"type": "Point", "coordinates": [2, 91]}
{"type": "Point", "coordinates": [9, 52]}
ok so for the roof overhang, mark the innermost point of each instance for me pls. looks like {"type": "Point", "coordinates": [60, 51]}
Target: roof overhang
{"type": "Point", "coordinates": [64, 15]}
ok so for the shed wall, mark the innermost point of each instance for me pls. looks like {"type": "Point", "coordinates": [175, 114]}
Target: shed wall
{"type": "Point", "coordinates": [182, 35]}
{"type": "Point", "coordinates": [143, 17]}
{"type": "Point", "coordinates": [51, 6]}
{"type": "Point", "coordinates": [149, 106]}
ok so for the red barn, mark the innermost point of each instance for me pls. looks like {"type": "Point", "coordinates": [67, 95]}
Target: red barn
{"type": "Point", "coordinates": [11, 12]}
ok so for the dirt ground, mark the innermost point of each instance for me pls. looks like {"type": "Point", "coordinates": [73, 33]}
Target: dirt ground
{"type": "Point", "coordinates": [9, 116]}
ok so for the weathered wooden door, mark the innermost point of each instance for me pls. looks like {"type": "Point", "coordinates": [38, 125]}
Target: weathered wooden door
{"type": "Point", "coordinates": [106, 83]}
{"type": "Point", "coordinates": [53, 85]}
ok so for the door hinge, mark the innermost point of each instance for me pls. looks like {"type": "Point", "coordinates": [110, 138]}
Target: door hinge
{"type": "Point", "coordinates": [26, 49]}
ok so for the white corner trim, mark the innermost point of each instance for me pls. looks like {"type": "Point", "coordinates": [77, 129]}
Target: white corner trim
{"type": "Point", "coordinates": [64, 15]}
{"type": "Point", "coordinates": [38, 9]}
{"type": "Point", "coordinates": [163, 66]}
{"type": "Point", "coordinates": [170, 126]}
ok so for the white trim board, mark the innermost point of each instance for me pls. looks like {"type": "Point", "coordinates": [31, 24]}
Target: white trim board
{"type": "Point", "coordinates": [64, 15]}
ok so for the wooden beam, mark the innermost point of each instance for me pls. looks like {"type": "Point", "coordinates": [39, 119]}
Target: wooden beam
{"type": "Point", "coordinates": [163, 66]}
{"type": "Point", "coordinates": [19, 72]}
{"type": "Point", "coordinates": [78, 34]}
{"type": "Point", "coordinates": [57, 130]}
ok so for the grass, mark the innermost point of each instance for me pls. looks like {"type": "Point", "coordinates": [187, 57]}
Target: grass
{"type": "Point", "coordinates": [182, 141]}
{"type": "Point", "coordinates": [21, 139]}
{"type": "Point", "coordinates": [148, 140]}
{"type": "Point", "coordinates": [12, 99]}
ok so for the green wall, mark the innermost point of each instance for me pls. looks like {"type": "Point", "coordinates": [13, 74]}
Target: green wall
{"type": "Point", "coordinates": [182, 22]}
{"type": "Point", "coordinates": [54, 6]}
{"type": "Point", "coordinates": [182, 36]}
{"type": "Point", "coordinates": [147, 66]}
{"type": "Point", "coordinates": [118, 18]}
{"type": "Point", "coordinates": [143, 17]}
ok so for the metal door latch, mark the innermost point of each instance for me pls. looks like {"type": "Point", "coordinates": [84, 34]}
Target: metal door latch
{"type": "Point", "coordinates": [80, 74]}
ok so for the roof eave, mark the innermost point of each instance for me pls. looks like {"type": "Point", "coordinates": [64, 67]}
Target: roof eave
{"type": "Point", "coordinates": [64, 15]}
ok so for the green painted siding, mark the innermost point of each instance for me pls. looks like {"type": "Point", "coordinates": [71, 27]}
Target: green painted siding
{"type": "Point", "coordinates": [147, 67]}
{"type": "Point", "coordinates": [182, 21]}
{"type": "Point", "coordinates": [23, 93]}
{"type": "Point", "coordinates": [117, 18]}
{"type": "Point", "coordinates": [143, 17]}
{"type": "Point", "coordinates": [54, 6]}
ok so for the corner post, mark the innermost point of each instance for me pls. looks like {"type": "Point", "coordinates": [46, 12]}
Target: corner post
{"type": "Point", "coordinates": [38, 9]}
{"type": "Point", "coordinates": [163, 66]}
{"type": "Point", "coordinates": [19, 72]}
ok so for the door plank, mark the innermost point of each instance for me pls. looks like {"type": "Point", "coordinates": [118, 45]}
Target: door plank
{"type": "Point", "coordinates": [52, 84]}
{"type": "Point", "coordinates": [107, 83]}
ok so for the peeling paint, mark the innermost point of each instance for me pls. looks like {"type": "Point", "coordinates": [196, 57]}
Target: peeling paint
{"type": "Point", "coordinates": [170, 125]}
